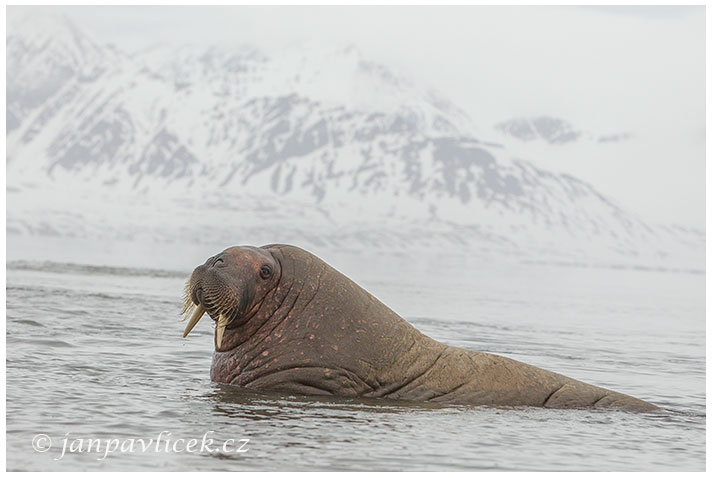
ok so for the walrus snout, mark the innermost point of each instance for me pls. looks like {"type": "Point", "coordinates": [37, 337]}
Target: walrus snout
{"type": "Point", "coordinates": [207, 292]}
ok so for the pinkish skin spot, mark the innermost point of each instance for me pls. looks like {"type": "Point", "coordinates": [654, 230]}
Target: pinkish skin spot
{"type": "Point", "coordinates": [311, 336]}
{"type": "Point", "coordinates": [265, 353]}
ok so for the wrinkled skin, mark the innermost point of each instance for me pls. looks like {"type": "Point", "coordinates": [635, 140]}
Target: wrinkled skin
{"type": "Point", "coordinates": [297, 325]}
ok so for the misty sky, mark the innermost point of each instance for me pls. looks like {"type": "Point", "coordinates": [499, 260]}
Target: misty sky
{"type": "Point", "coordinates": [605, 69]}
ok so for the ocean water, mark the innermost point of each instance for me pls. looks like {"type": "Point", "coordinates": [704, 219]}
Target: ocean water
{"type": "Point", "coordinates": [96, 362]}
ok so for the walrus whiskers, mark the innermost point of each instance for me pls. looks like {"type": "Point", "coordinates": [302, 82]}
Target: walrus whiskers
{"type": "Point", "coordinates": [187, 301]}
{"type": "Point", "coordinates": [216, 299]}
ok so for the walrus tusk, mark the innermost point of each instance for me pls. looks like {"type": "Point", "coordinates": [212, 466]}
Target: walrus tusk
{"type": "Point", "coordinates": [222, 323]}
{"type": "Point", "coordinates": [197, 315]}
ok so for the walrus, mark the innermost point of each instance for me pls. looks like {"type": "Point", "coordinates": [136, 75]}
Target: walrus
{"type": "Point", "coordinates": [288, 322]}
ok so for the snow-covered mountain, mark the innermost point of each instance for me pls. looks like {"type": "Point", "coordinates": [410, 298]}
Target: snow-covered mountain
{"type": "Point", "coordinates": [313, 146]}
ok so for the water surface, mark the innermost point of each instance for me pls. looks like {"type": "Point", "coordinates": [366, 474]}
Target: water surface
{"type": "Point", "coordinates": [97, 353]}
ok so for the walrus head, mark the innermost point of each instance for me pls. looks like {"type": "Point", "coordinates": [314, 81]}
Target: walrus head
{"type": "Point", "coordinates": [230, 287]}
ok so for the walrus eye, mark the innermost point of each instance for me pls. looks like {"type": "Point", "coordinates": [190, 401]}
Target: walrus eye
{"type": "Point", "coordinates": [265, 272]}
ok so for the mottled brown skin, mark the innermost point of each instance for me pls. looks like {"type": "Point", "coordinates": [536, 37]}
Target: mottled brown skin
{"type": "Point", "coordinates": [308, 329]}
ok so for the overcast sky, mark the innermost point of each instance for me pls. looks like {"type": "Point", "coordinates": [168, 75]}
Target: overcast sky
{"type": "Point", "coordinates": [605, 69]}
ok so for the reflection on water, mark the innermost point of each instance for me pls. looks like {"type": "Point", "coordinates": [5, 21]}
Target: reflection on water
{"type": "Point", "coordinates": [98, 353]}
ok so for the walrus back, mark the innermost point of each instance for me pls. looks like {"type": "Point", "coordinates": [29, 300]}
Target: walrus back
{"type": "Point", "coordinates": [376, 353]}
